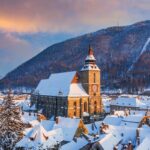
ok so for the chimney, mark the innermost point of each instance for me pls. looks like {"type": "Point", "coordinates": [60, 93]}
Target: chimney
{"type": "Point", "coordinates": [57, 120]}
{"type": "Point", "coordinates": [130, 146]}
{"type": "Point", "coordinates": [125, 147]}
{"type": "Point", "coordinates": [138, 136]}
{"type": "Point", "coordinates": [137, 132]}
{"type": "Point", "coordinates": [138, 140]}
{"type": "Point", "coordinates": [115, 147]}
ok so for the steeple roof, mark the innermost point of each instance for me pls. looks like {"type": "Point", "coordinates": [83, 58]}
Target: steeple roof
{"type": "Point", "coordinates": [90, 58]}
{"type": "Point", "coordinates": [90, 61]}
{"type": "Point", "coordinates": [90, 50]}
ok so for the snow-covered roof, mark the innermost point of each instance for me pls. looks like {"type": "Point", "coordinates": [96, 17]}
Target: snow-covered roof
{"type": "Point", "coordinates": [47, 124]}
{"type": "Point", "coordinates": [128, 101]}
{"type": "Point", "coordinates": [126, 133]}
{"type": "Point", "coordinates": [69, 127]}
{"type": "Point", "coordinates": [81, 142]}
{"type": "Point", "coordinates": [93, 128]}
{"type": "Point", "coordinates": [60, 84]}
{"type": "Point", "coordinates": [109, 141]}
{"type": "Point", "coordinates": [90, 67]}
{"type": "Point", "coordinates": [112, 120]}
{"type": "Point", "coordinates": [145, 144]}
{"type": "Point", "coordinates": [38, 134]}
{"type": "Point", "coordinates": [33, 123]}
{"type": "Point", "coordinates": [132, 120]}
{"type": "Point", "coordinates": [90, 57]}
{"type": "Point", "coordinates": [144, 132]}
{"type": "Point", "coordinates": [77, 90]}
{"type": "Point", "coordinates": [26, 118]}
{"type": "Point", "coordinates": [25, 142]}
{"type": "Point", "coordinates": [54, 137]}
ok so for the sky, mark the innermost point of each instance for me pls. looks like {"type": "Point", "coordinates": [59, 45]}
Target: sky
{"type": "Point", "coordinates": [29, 26]}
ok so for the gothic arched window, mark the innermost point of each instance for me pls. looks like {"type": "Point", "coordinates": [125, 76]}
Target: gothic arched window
{"type": "Point", "coordinates": [94, 78]}
{"type": "Point", "coordinates": [85, 107]}
{"type": "Point", "coordinates": [95, 107]}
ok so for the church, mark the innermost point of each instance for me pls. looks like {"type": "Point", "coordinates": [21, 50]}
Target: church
{"type": "Point", "coordinates": [71, 94]}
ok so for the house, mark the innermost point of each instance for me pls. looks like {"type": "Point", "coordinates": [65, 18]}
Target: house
{"type": "Point", "coordinates": [38, 136]}
{"type": "Point", "coordinates": [124, 102]}
{"type": "Point", "coordinates": [72, 93]}
{"type": "Point", "coordinates": [75, 145]}
{"type": "Point", "coordinates": [107, 142]}
{"type": "Point", "coordinates": [71, 127]}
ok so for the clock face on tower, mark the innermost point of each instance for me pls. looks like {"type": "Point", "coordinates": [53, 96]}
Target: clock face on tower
{"type": "Point", "coordinates": [94, 88]}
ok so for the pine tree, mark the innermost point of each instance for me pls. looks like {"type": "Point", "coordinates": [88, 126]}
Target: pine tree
{"type": "Point", "coordinates": [11, 126]}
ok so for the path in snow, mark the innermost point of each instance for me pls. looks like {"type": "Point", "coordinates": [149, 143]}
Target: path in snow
{"type": "Point", "coordinates": [143, 50]}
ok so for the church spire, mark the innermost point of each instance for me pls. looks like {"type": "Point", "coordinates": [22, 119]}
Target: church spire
{"type": "Point", "coordinates": [90, 50]}
{"type": "Point", "coordinates": [90, 61]}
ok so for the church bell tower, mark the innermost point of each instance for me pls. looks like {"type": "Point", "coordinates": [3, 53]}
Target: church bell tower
{"type": "Point", "coordinates": [90, 79]}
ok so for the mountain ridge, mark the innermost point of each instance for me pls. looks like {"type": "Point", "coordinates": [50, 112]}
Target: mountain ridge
{"type": "Point", "coordinates": [115, 49]}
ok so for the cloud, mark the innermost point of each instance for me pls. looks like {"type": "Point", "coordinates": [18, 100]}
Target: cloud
{"type": "Point", "coordinates": [24, 22]}
{"type": "Point", "coordinates": [17, 48]}
{"type": "Point", "coordinates": [13, 51]}
{"type": "Point", "coordinates": [68, 15]}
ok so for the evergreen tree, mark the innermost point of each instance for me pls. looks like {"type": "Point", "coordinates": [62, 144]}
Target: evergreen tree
{"type": "Point", "coordinates": [11, 126]}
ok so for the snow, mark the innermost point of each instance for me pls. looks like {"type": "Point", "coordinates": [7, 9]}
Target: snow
{"type": "Point", "coordinates": [128, 101]}
{"type": "Point", "coordinates": [112, 120]}
{"type": "Point", "coordinates": [76, 90]}
{"type": "Point", "coordinates": [109, 141]}
{"type": "Point", "coordinates": [144, 132]}
{"type": "Point", "coordinates": [142, 51]}
{"type": "Point", "coordinates": [145, 46]}
{"type": "Point", "coordinates": [59, 84]}
{"type": "Point", "coordinates": [85, 114]}
{"type": "Point", "coordinates": [145, 144]}
{"type": "Point", "coordinates": [132, 120]}
{"type": "Point", "coordinates": [47, 124]}
{"type": "Point", "coordinates": [69, 127]}
{"type": "Point", "coordinates": [34, 123]}
{"type": "Point", "coordinates": [90, 57]}
{"type": "Point", "coordinates": [26, 118]}
{"type": "Point", "coordinates": [38, 134]}
{"type": "Point", "coordinates": [81, 142]}
{"type": "Point", "coordinates": [90, 67]}
{"type": "Point", "coordinates": [54, 137]}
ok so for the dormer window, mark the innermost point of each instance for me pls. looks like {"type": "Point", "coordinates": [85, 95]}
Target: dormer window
{"type": "Point", "coordinates": [60, 93]}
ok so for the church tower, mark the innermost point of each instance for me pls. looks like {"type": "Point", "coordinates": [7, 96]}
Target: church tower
{"type": "Point", "coordinates": [90, 79]}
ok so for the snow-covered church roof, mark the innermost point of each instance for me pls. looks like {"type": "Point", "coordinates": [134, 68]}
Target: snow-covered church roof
{"type": "Point", "coordinates": [60, 84]}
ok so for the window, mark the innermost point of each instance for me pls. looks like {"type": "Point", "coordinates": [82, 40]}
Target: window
{"type": "Point", "coordinates": [75, 105]}
{"type": "Point", "coordinates": [85, 107]}
{"type": "Point", "coordinates": [95, 107]}
{"type": "Point", "coordinates": [74, 113]}
{"type": "Point", "coordinates": [94, 78]}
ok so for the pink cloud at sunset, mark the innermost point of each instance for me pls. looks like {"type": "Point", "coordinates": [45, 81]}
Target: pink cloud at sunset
{"type": "Point", "coordinates": [68, 15]}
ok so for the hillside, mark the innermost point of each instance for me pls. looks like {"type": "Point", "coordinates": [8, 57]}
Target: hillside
{"type": "Point", "coordinates": [118, 51]}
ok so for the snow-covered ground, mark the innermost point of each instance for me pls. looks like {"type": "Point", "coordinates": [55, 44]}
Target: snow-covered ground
{"type": "Point", "coordinates": [121, 127]}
